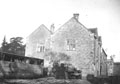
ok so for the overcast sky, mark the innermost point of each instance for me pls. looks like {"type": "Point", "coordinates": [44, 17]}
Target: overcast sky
{"type": "Point", "coordinates": [22, 17]}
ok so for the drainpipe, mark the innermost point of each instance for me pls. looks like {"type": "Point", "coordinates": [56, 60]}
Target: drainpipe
{"type": "Point", "coordinates": [95, 55]}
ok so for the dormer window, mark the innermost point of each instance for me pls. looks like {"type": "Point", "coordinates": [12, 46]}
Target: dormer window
{"type": "Point", "coordinates": [71, 44]}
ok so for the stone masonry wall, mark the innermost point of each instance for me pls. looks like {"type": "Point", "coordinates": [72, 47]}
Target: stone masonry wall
{"type": "Point", "coordinates": [38, 37]}
{"type": "Point", "coordinates": [83, 57]}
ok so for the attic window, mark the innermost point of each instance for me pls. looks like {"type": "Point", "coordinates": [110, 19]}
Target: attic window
{"type": "Point", "coordinates": [71, 44]}
{"type": "Point", "coordinates": [40, 48]}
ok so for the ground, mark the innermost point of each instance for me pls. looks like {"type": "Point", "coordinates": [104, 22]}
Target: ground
{"type": "Point", "coordinates": [47, 80]}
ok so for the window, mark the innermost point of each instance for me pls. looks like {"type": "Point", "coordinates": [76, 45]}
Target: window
{"type": "Point", "coordinates": [40, 48]}
{"type": "Point", "coordinates": [71, 44]}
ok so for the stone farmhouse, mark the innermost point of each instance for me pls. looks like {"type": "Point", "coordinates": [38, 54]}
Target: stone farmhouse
{"type": "Point", "coordinates": [83, 45]}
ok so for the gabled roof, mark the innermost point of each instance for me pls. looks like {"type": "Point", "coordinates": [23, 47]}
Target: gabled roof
{"type": "Point", "coordinates": [104, 52]}
{"type": "Point", "coordinates": [72, 19]}
{"type": "Point", "coordinates": [41, 27]}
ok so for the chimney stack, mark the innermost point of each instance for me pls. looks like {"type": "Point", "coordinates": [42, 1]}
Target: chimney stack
{"type": "Point", "coordinates": [76, 16]}
{"type": "Point", "coordinates": [52, 28]}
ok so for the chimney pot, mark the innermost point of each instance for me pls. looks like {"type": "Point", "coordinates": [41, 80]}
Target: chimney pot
{"type": "Point", "coordinates": [76, 16]}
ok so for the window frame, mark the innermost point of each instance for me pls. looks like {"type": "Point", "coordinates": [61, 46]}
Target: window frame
{"type": "Point", "coordinates": [71, 44]}
{"type": "Point", "coordinates": [40, 48]}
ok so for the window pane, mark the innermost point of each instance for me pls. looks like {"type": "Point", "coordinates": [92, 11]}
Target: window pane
{"type": "Point", "coordinates": [71, 44]}
{"type": "Point", "coordinates": [40, 48]}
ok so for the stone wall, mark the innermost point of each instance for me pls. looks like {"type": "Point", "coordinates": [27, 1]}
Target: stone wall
{"type": "Point", "coordinates": [40, 36]}
{"type": "Point", "coordinates": [103, 63]}
{"type": "Point", "coordinates": [83, 55]}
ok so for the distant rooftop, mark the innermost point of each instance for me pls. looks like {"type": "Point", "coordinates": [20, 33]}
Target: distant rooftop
{"type": "Point", "coordinates": [93, 30]}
